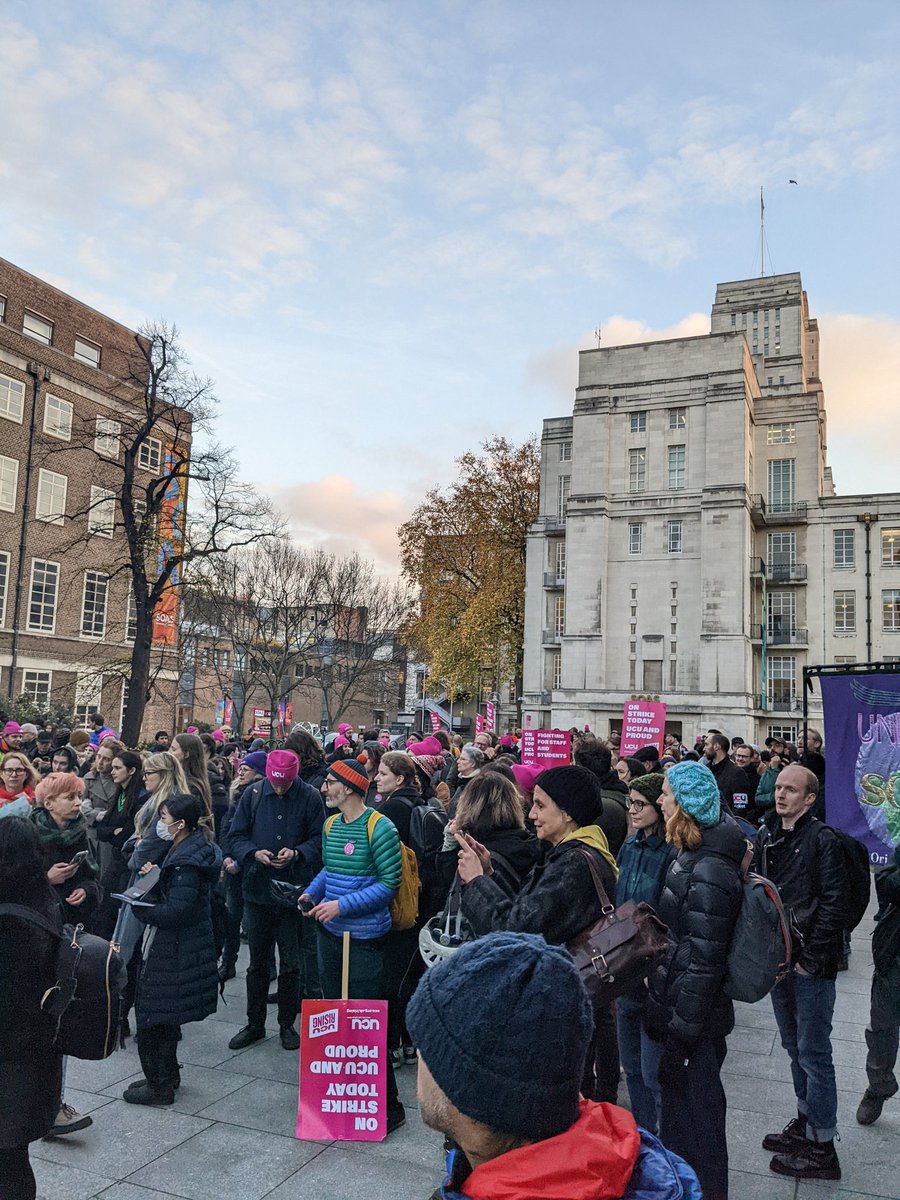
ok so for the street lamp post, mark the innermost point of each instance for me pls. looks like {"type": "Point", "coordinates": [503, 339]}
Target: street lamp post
{"type": "Point", "coordinates": [327, 662]}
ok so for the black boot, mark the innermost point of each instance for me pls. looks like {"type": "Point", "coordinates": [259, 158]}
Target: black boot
{"type": "Point", "coordinates": [157, 1087]}
{"type": "Point", "coordinates": [812, 1160]}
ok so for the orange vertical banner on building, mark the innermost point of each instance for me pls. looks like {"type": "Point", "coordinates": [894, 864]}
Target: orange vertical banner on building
{"type": "Point", "coordinates": [171, 545]}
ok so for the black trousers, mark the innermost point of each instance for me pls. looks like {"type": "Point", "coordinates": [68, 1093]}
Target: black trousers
{"type": "Point", "coordinates": [234, 907]}
{"type": "Point", "coordinates": [601, 1071]}
{"type": "Point", "coordinates": [693, 1119]}
{"type": "Point", "coordinates": [266, 926]}
{"type": "Point", "coordinates": [158, 1052]}
{"type": "Point", "coordinates": [16, 1176]}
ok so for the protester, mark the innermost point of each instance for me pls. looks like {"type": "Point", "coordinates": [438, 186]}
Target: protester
{"type": "Point", "coordinates": [687, 1010]}
{"type": "Point", "coordinates": [30, 1066]}
{"type": "Point", "coordinates": [113, 830]}
{"type": "Point", "coordinates": [516, 1122]}
{"type": "Point", "coordinates": [470, 762]}
{"type": "Point", "coordinates": [42, 755]}
{"type": "Point", "coordinates": [99, 730]}
{"type": "Point", "coordinates": [275, 835]}
{"type": "Point", "coordinates": [178, 982]}
{"type": "Point", "coordinates": [11, 738]}
{"type": "Point", "coordinates": [804, 859]}
{"type": "Point", "coordinates": [188, 750]}
{"type": "Point", "coordinates": [884, 1008]}
{"type": "Point", "coordinates": [643, 862]}
{"type": "Point", "coordinates": [629, 768]}
{"type": "Point", "coordinates": [65, 760]}
{"type": "Point", "coordinates": [731, 780]}
{"type": "Point", "coordinates": [18, 779]}
{"type": "Point", "coordinates": [613, 818]}
{"type": "Point", "coordinates": [62, 830]}
{"type": "Point", "coordinates": [252, 768]}
{"type": "Point", "coordinates": [490, 810]}
{"type": "Point", "coordinates": [311, 756]}
{"type": "Point", "coordinates": [160, 742]}
{"type": "Point", "coordinates": [558, 898]}
{"type": "Point", "coordinates": [352, 893]}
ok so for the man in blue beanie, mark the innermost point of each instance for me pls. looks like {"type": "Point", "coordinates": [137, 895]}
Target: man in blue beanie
{"type": "Point", "coordinates": [502, 1028]}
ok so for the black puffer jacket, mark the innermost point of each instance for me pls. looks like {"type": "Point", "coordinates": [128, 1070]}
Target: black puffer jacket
{"type": "Point", "coordinates": [700, 902]}
{"type": "Point", "coordinates": [807, 865]}
{"type": "Point", "coordinates": [557, 900]}
{"type": "Point", "coordinates": [178, 981]}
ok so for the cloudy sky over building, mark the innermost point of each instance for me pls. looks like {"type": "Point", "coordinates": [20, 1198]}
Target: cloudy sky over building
{"type": "Point", "coordinates": [386, 229]}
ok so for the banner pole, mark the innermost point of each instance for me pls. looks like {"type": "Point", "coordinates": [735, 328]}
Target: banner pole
{"type": "Point", "coordinates": [345, 967]}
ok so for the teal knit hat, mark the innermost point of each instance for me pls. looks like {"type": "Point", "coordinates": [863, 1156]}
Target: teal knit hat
{"type": "Point", "coordinates": [696, 791]}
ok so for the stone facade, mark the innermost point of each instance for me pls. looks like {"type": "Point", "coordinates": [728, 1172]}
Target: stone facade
{"type": "Point", "coordinates": [66, 379]}
{"type": "Point", "coordinates": [691, 547]}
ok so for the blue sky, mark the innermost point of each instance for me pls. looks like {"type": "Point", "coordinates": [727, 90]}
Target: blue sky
{"type": "Point", "coordinates": [385, 229]}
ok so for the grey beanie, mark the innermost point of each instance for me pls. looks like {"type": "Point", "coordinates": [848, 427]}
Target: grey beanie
{"type": "Point", "coordinates": [504, 1027]}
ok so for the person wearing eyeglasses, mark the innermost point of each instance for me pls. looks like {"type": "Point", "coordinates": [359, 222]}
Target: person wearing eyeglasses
{"type": "Point", "coordinates": [17, 783]}
{"type": "Point", "coordinates": [643, 862]}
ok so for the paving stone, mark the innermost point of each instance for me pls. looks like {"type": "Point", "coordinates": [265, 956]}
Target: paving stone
{"type": "Point", "coordinates": [755, 1016]}
{"type": "Point", "coordinates": [267, 1060]}
{"type": "Point", "coordinates": [744, 1186]}
{"type": "Point", "coordinates": [96, 1077]}
{"type": "Point", "coordinates": [131, 1191]}
{"type": "Point", "coordinates": [122, 1138]}
{"type": "Point", "coordinates": [200, 1087]}
{"type": "Point", "coordinates": [759, 1040]}
{"type": "Point", "coordinates": [57, 1182]}
{"type": "Point", "coordinates": [205, 1043]}
{"type": "Point", "coordinates": [262, 1104]}
{"type": "Point", "coordinates": [413, 1142]}
{"type": "Point", "coordinates": [85, 1102]}
{"type": "Point", "coordinates": [226, 1161]}
{"type": "Point", "coordinates": [335, 1174]}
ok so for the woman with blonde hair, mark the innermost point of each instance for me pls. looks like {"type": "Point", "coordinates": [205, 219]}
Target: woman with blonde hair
{"type": "Point", "coordinates": [687, 1009]}
{"type": "Point", "coordinates": [18, 779]}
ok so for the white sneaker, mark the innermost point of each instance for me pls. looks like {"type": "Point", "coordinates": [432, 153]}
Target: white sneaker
{"type": "Point", "coordinates": [69, 1121]}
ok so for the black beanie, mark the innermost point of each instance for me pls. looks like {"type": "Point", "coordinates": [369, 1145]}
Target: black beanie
{"type": "Point", "coordinates": [575, 790]}
{"type": "Point", "coordinates": [504, 1026]}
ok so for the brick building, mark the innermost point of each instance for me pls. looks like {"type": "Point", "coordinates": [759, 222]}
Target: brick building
{"type": "Point", "coordinates": [70, 382]}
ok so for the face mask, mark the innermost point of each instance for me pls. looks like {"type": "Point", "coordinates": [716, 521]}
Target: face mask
{"type": "Point", "coordinates": [163, 831]}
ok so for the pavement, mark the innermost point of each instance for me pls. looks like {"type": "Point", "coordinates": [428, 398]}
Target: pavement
{"type": "Point", "coordinates": [231, 1131]}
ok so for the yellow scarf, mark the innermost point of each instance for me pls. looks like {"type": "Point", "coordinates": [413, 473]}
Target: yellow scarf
{"type": "Point", "coordinates": [593, 835]}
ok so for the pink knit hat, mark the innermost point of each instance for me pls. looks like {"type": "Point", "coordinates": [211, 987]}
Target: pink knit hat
{"type": "Point", "coordinates": [345, 728]}
{"type": "Point", "coordinates": [11, 728]}
{"type": "Point", "coordinates": [526, 776]}
{"type": "Point", "coordinates": [340, 740]}
{"type": "Point", "coordinates": [429, 745]}
{"type": "Point", "coordinates": [218, 736]}
{"type": "Point", "coordinates": [282, 766]}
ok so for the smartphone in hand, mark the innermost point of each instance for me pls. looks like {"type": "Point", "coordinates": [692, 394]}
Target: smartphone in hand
{"type": "Point", "coordinates": [79, 858]}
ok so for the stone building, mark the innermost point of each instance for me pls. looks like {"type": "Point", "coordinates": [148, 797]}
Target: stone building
{"type": "Point", "coordinates": [68, 387]}
{"type": "Point", "coordinates": [691, 547]}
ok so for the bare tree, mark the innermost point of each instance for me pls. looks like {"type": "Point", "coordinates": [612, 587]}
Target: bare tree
{"type": "Point", "coordinates": [160, 446]}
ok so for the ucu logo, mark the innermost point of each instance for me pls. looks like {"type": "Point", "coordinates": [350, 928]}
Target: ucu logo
{"type": "Point", "coordinates": [364, 1023]}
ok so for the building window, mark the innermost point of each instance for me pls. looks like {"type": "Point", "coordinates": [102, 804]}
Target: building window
{"type": "Point", "coordinates": [781, 550]}
{"type": "Point", "coordinates": [559, 614]}
{"type": "Point", "coordinates": [676, 467]}
{"type": "Point", "coordinates": [637, 470]}
{"type": "Point", "coordinates": [845, 658]}
{"type": "Point", "coordinates": [102, 512]}
{"type": "Point", "coordinates": [733, 320]}
{"type": "Point", "coordinates": [38, 328]}
{"type": "Point", "coordinates": [890, 547]}
{"type": "Point", "coordinates": [93, 606]}
{"type": "Point", "coordinates": [781, 615]}
{"type": "Point", "coordinates": [845, 612]}
{"type": "Point", "coordinates": [150, 454]}
{"type": "Point", "coordinates": [556, 671]}
{"type": "Point", "coordinates": [638, 422]}
{"type": "Point", "coordinates": [36, 686]}
{"type": "Point", "coordinates": [565, 451]}
{"type": "Point", "coordinates": [106, 439]}
{"type": "Point", "coordinates": [87, 352]}
{"type": "Point", "coordinates": [635, 537]}
{"type": "Point", "coordinates": [4, 585]}
{"type": "Point", "coordinates": [676, 537]}
{"type": "Point", "coordinates": [2, 308]}
{"type": "Point", "coordinates": [42, 596]}
{"type": "Point", "coordinates": [124, 705]}
{"type": "Point", "coordinates": [784, 733]}
{"type": "Point", "coordinates": [58, 418]}
{"type": "Point", "coordinates": [781, 484]}
{"type": "Point", "coordinates": [780, 435]}
{"type": "Point", "coordinates": [782, 679]}
{"type": "Point", "coordinates": [88, 694]}
{"type": "Point", "coordinates": [51, 497]}
{"type": "Point", "coordinates": [653, 676]}
{"type": "Point", "coordinates": [131, 616]}
{"type": "Point", "coordinates": [678, 416]}
{"type": "Point", "coordinates": [890, 610]}
{"type": "Point", "coordinates": [563, 487]}
{"type": "Point", "coordinates": [12, 398]}
{"type": "Point", "coordinates": [559, 559]}
{"type": "Point", "coordinates": [844, 548]}
{"type": "Point", "coordinates": [9, 483]}
{"type": "Point", "coordinates": [221, 659]}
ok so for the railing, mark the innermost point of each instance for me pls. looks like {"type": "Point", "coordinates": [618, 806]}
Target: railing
{"type": "Point", "coordinates": [553, 579]}
{"type": "Point", "coordinates": [550, 638]}
{"type": "Point", "coordinates": [778, 512]}
{"type": "Point", "coordinates": [786, 572]}
{"type": "Point", "coordinates": [780, 637]}
{"type": "Point", "coordinates": [757, 566]}
{"type": "Point", "coordinates": [544, 699]}
{"type": "Point", "coordinates": [789, 704]}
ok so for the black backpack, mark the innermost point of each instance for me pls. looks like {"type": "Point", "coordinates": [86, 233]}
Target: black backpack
{"type": "Point", "coordinates": [856, 867]}
{"type": "Point", "coordinates": [426, 830]}
{"type": "Point", "coordinates": [86, 1001]}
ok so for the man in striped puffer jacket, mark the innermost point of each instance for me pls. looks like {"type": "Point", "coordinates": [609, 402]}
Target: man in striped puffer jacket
{"type": "Point", "coordinates": [352, 893]}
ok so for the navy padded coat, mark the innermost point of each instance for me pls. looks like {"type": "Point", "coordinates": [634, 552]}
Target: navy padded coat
{"type": "Point", "coordinates": [178, 980]}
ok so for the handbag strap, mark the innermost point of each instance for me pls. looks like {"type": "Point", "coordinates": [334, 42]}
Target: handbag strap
{"type": "Point", "coordinates": [606, 906]}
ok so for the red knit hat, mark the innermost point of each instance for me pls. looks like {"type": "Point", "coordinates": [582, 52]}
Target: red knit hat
{"type": "Point", "coordinates": [351, 774]}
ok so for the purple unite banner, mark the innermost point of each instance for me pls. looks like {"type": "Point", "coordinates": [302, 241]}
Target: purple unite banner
{"type": "Point", "coordinates": [862, 743]}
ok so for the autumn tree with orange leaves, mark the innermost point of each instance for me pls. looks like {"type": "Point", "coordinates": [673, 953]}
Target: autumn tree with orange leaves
{"type": "Point", "coordinates": [464, 548]}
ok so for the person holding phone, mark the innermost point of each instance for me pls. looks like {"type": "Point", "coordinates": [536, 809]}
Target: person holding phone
{"type": "Point", "coordinates": [63, 831]}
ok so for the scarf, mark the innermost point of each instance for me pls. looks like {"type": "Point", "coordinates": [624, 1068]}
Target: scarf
{"type": "Point", "coordinates": [71, 834]}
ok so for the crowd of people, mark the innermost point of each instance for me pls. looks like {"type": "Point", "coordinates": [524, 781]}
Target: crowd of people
{"type": "Point", "coordinates": [291, 846]}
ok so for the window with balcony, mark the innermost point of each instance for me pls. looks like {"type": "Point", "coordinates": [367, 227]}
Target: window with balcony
{"type": "Point", "coordinates": [559, 614]}
{"type": "Point", "coordinates": [781, 616]}
{"type": "Point", "coordinates": [638, 422]}
{"type": "Point", "coordinates": [676, 467]}
{"type": "Point", "coordinates": [563, 487]}
{"type": "Point", "coordinates": [782, 669]}
{"type": "Point", "coordinates": [890, 547]}
{"type": "Point", "coordinates": [844, 548]}
{"type": "Point", "coordinates": [558, 559]}
{"type": "Point", "coordinates": [781, 555]}
{"type": "Point", "coordinates": [781, 472]}
{"type": "Point", "coordinates": [12, 398]}
{"type": "Point", "coordinates": [637, 470]}
{"type": "Point", "coordinates": [845, 612]}
{"type": "Point", "coordinates": [635, 537]}
{"type": "Point", "coordinates": [556, 671]}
